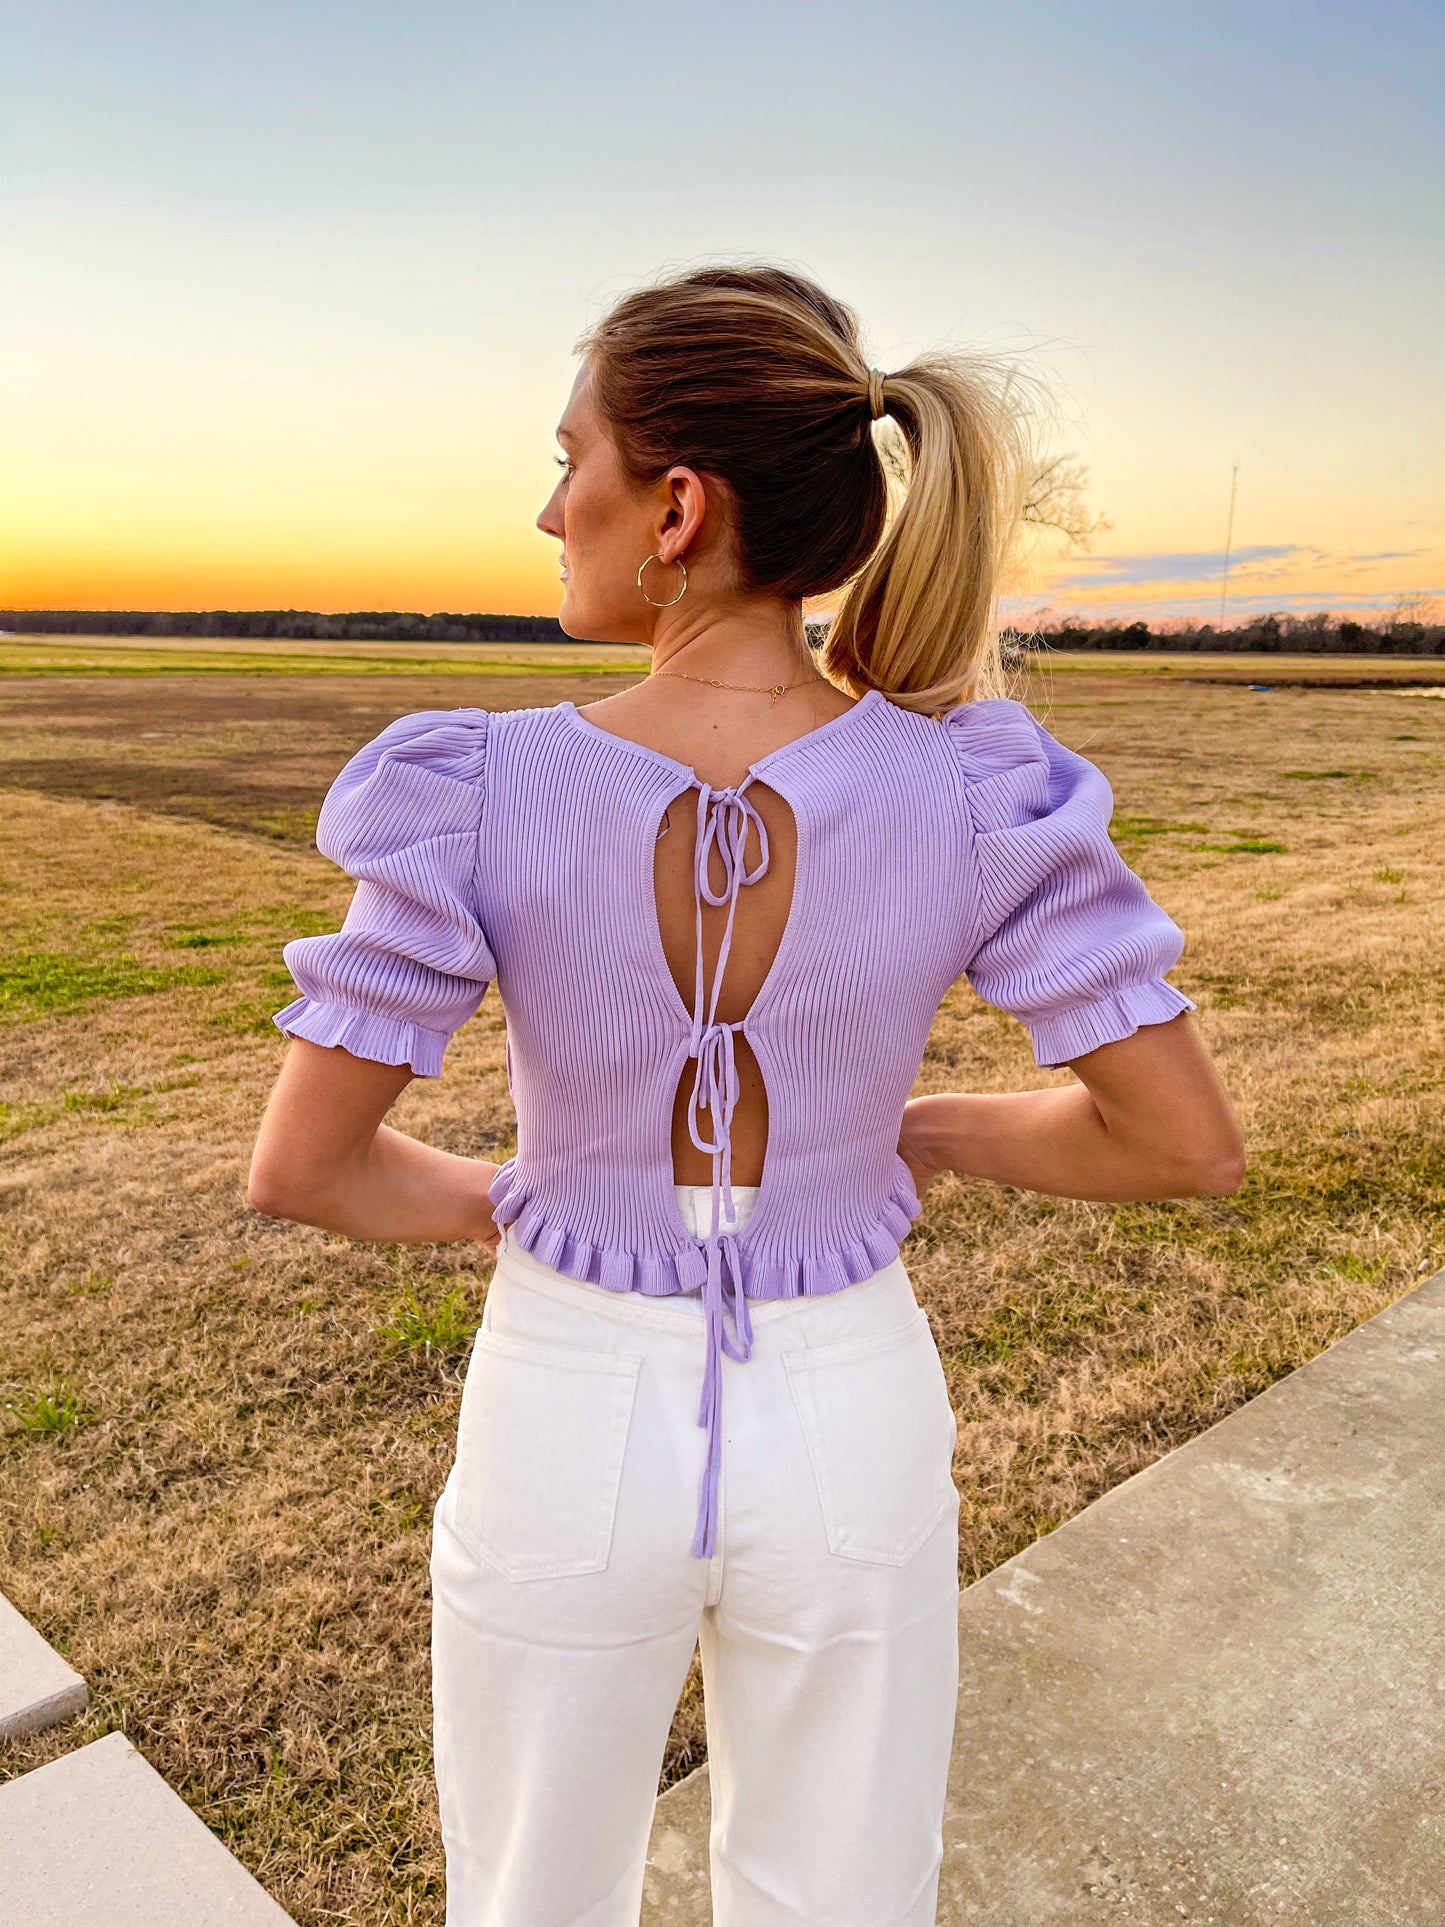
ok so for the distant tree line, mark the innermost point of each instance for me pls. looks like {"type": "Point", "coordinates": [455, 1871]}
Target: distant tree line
{"type": "Point", "coordinates": [303, 625]}
{"type": "Point", "coordinates": [1409, 632]}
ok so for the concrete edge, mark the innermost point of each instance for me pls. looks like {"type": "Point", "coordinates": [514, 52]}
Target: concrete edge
{"type": "Point", "coordinates": [112, 1777]}
{"type": "Point", "coordinates": [38, 1685]}
{"type": "Point", "coordinates": [58, 1706]}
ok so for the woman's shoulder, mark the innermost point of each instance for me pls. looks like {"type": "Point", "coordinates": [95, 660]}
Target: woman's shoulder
{"type": "Point", "coordinates": [992, 732]}
{"type": "Point", "coordinates": [452, 742]}
{"type": "Point", "coordinates": [982, 735]}
{"type": "Point", "coordinates": [422, 777]}
{"type": "Point", "coordinates": [1014, 770]}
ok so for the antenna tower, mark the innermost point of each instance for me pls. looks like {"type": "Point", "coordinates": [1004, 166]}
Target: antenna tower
{"type": "Point", "coordinates": [1228, 541]}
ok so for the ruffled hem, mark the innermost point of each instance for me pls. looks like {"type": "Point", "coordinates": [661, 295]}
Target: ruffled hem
{"type": "Point", "coordinates": [1066, 1034]}
{"type": "Point", "coordinates": [766, 1271]}
{"type": "Point", "coordinates": [385, 1040]}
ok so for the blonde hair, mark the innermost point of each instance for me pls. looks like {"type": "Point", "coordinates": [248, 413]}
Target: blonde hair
{"type": "Point", "coordinates": [755, 375]}
{"type": "Point", "coordinates": [920, 620]}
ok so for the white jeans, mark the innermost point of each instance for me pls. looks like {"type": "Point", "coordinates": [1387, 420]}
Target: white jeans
{"type": "Point", "coordinates": [567, 1603]}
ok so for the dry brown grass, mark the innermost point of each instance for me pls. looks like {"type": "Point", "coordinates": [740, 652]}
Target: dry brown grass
{"type": "Point", "coordinates": [230, 1538]}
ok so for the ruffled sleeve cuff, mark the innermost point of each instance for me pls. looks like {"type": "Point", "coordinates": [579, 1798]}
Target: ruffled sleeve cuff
{"type": "Point", "coordinates": [385, 1040]}
{"type": "Point", "coordinates": [1062, 934]}
{"type": "Point", "coordinates": [1060, 1036]}
{"type": "Point", "coordinates": [411, 962]}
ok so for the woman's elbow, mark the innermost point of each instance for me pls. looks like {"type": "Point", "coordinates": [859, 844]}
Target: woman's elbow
{"type": "Point", "coordinates": [1224, 1176]}
{"type": "Point", "coordinates": [1213, 1171]}
{"type": "Point", "coordinates": [268, 1192]}
{"type": "Point", "coordinates": [280, 1186]}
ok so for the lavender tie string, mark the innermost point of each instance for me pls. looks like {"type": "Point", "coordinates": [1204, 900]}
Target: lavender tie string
{"type": "Point", "coordinates": [723, 818]}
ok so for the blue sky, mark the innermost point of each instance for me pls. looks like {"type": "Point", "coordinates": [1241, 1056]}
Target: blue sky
{"type": "Point", "coordinates": [291, 290]}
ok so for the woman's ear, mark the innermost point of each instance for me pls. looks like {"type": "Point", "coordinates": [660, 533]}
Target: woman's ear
{"type": "Point", "coordinates": [685, 513]}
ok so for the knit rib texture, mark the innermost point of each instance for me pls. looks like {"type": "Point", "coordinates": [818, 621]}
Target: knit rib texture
{"type": "Point", "coordinates": [519, 846]}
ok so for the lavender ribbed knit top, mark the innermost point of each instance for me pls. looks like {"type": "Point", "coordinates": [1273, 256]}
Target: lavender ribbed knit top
{"type": "Point", "coordinates": [518, 845]}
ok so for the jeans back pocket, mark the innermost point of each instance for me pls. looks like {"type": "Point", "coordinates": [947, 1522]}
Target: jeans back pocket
{"type": "Point", "coordinates": [540, 1443]}
{"type": "Point", "coordinates": [880, 1434]}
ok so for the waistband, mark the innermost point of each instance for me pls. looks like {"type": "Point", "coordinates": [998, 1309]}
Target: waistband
{"type": "Point", "coordinates": [694, 1204]}
{"type": "Point", "coordinates": [708, 1304]}
{"type": "Point", "coordinates": [681, 1312]}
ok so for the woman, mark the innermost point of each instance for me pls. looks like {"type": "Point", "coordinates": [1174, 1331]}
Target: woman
{"type": "Point", "coordinates": [722, 908]}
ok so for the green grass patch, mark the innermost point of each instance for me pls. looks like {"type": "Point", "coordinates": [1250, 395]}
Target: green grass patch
{"type": "Point", "coordinates": [1218, 992]}
{"type": "Point", "coordinates": [1329, 775]}
{"type": "Point", "coordinates": [439, 1325]}
{"type": "Point", "coordinates": [288, 826]}
{"type": "Point", "coordinates": [43, 983]}
{"type": "Point", "coordinates": [1247, 846]}
{"type": "Point", "coordinates": [191, 936]}
{"type": "Point", "coordinates": [17, 1119]}
{"type": "Point", "coordinates": [56, 658]}
{"type": "Point", "coordinates": [248, 1019]}
{"type": "Point", "coordinates": [126, 1103]}
{"type": "Point", "coordinates": [1138, 829]}
{"type": "Point", "coordinates": [1361, 1271]}
{"type": "Point", "coordinates": [1260, 1367]}
{"type": "Point", "coordinates": [95, 1284]}
{"type": "Point", "coordinates": [114, 1099]}
{"type": "Point", "coordinates": [1347, 1178]}
{"type": "Point", "coordinates": [289, 920]}
{"type": "Point", "coordinates": [50, 1411]}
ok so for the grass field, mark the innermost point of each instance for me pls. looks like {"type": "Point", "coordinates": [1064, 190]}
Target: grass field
{"type": "Point", "coordinates": [221, 1436]}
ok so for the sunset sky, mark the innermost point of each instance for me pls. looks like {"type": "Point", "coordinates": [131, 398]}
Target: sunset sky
{"type": "Point", "coordinates": [290, 290]}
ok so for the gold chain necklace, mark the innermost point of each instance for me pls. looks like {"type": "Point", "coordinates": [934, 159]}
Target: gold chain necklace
{"type": "Point", "coordinates": [773, 689]}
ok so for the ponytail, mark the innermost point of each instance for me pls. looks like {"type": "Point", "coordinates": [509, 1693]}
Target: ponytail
{"type": "Point", "coordinates": [755, 374]}
{"type": "Point", "coordinates": [919, 621]}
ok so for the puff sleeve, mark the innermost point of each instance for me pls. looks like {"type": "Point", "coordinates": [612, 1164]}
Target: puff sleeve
{"type": "Point", "coordinates": [1065, 936]}
{"type": "Point", "coordinates": [410, 962]}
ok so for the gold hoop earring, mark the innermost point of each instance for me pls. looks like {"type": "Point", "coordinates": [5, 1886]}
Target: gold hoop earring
{"type": "Point", "coordinates": [681, 592]}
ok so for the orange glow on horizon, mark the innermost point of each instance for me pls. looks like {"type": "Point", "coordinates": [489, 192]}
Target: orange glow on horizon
{"type": "Point", "coordinates": [424, 592]}
{"type": "Point", "coordinates": [515, 583]}
{"type": "Point", "coordinates": [462, 587]}
{"type": "Point", "coordinates": [321, 543]}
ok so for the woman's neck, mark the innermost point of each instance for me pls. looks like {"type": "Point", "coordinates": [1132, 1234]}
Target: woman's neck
{"type": "Point", "coordinates": [761, 641]}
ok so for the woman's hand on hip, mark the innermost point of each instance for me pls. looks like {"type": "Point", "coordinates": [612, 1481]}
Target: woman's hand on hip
{"type": "Point", "coordinates": [1147, 1117]}
{"type": "Point", "coordinates": [324, 1157]}
{"type": "Point", "coordinates": [922, 1141]}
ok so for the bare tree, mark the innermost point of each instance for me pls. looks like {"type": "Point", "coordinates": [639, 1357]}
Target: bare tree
{"type": "Point", "coordinates": [1414, 606]}
{"type": "Point", "coordinates": [1056, 499]}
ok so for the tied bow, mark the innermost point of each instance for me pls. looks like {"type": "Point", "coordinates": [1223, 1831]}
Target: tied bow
{"type": "Point", "coordinates": [723, 820]}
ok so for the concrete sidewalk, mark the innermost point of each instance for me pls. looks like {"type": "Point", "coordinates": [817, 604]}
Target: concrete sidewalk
{"type": "Point", "coordinates": [97, 1839]}
{"type": "Point", "coordinates": [1217, 1695]}
{"type": "Point", "coordinates": [37, 1687]}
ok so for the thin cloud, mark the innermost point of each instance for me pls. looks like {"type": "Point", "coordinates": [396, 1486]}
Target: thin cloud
{"type": "Point", "coordinates": [1261, 563]}
{"type": "Point", "coordinates": [1199, 566]}
{"type": "Point", "coordinates": [1156, 608]}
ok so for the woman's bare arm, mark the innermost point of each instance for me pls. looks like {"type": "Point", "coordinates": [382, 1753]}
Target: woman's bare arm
{"type": "Point", "coordinates": [324, 1157]}
{"type": "Point", "coordinates": [1148, 1118]}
